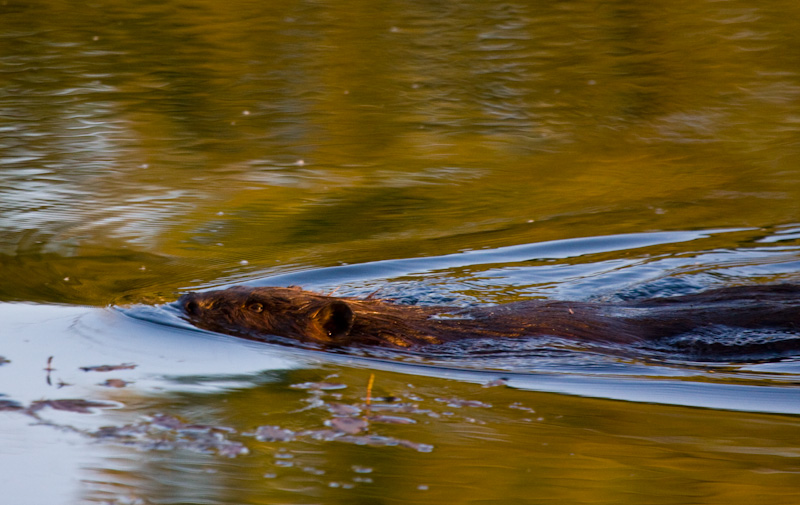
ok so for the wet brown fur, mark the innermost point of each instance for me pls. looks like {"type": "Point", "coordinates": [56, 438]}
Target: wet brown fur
{"type": "Point", "coordinates": [310, 317]}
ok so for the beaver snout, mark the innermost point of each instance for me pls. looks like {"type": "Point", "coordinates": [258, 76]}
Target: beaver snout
{"type": "Point", "coordinates": [261, 312]}
{"type": "Point", "coordinates": [189, 304]}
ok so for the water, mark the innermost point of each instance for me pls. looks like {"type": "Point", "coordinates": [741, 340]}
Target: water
{"type": "Point", "coordinates": [458, 154]}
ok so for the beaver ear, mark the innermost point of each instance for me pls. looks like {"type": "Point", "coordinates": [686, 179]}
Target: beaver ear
{"type": "Point", "coordinates": [335, 319]}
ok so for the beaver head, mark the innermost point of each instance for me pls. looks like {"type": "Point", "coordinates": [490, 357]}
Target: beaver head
{"type": "Point", "coordinates": [284, 312]}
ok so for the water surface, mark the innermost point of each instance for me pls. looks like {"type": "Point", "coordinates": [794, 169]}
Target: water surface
{"type": "Point", "coordinates": [441, 153]}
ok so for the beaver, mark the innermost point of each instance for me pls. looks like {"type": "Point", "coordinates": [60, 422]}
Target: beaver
{"type": "Point", "coordinates": [262, 313]}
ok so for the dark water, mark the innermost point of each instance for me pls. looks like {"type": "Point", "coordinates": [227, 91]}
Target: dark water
{"type": "Point", "coordinates": [441, 153]}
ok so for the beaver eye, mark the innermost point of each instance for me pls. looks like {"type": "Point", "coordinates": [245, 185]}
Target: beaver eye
{"type": "Point", "coordinates": [255, 307]}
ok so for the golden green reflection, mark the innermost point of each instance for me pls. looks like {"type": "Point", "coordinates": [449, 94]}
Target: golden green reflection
{"type": "Point", "coordinates": [490, 445]}
{"type": "Point", "coordinates": [309, 133]}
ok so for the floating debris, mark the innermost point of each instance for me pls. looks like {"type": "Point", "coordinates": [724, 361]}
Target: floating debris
{"type": "Point", "coordinates": [10, 405]}
{"type": "Point", "coordinates": [392, 419]}
{"type": "Point", "coordinates": [349, 425]}
{"type": "Point", "coordinates": [108, 368]}
{"type": "Point", "coordinates": [341, 409]}
{"type": "Point", "coordinates": [343, 429]}
{"type": "Point", "coordinates": [319, 386]}
{"type": "Point", "coordinates": [115, 383]}
{"type": "Point", "coordinates": [496, 382]}
{"type": "Point", "coordinates": [458, 403]}
{"type": "Point", "coordinates": [164, 432]}
{"type": "Point", "coordinates": [519, 406]}
{"type": "Point", "coordinates": [72, 405]}
{"type": "Point", "coordinates": [274, 434]}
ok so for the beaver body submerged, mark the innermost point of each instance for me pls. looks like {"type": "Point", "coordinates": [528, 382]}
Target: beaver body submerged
{"type": "Point", "coordinates": [304, 316]}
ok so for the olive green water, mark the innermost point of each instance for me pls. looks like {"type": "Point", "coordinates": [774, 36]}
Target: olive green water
{"type": "Point", "coordinates": [459, 152]}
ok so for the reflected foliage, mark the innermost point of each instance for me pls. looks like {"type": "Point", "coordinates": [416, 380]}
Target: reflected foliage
{"type": "Point", "coordinates": [307, 133]}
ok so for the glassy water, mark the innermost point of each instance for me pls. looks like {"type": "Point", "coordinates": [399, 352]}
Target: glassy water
{"type": "Point", "coordinates": [437, 153]}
